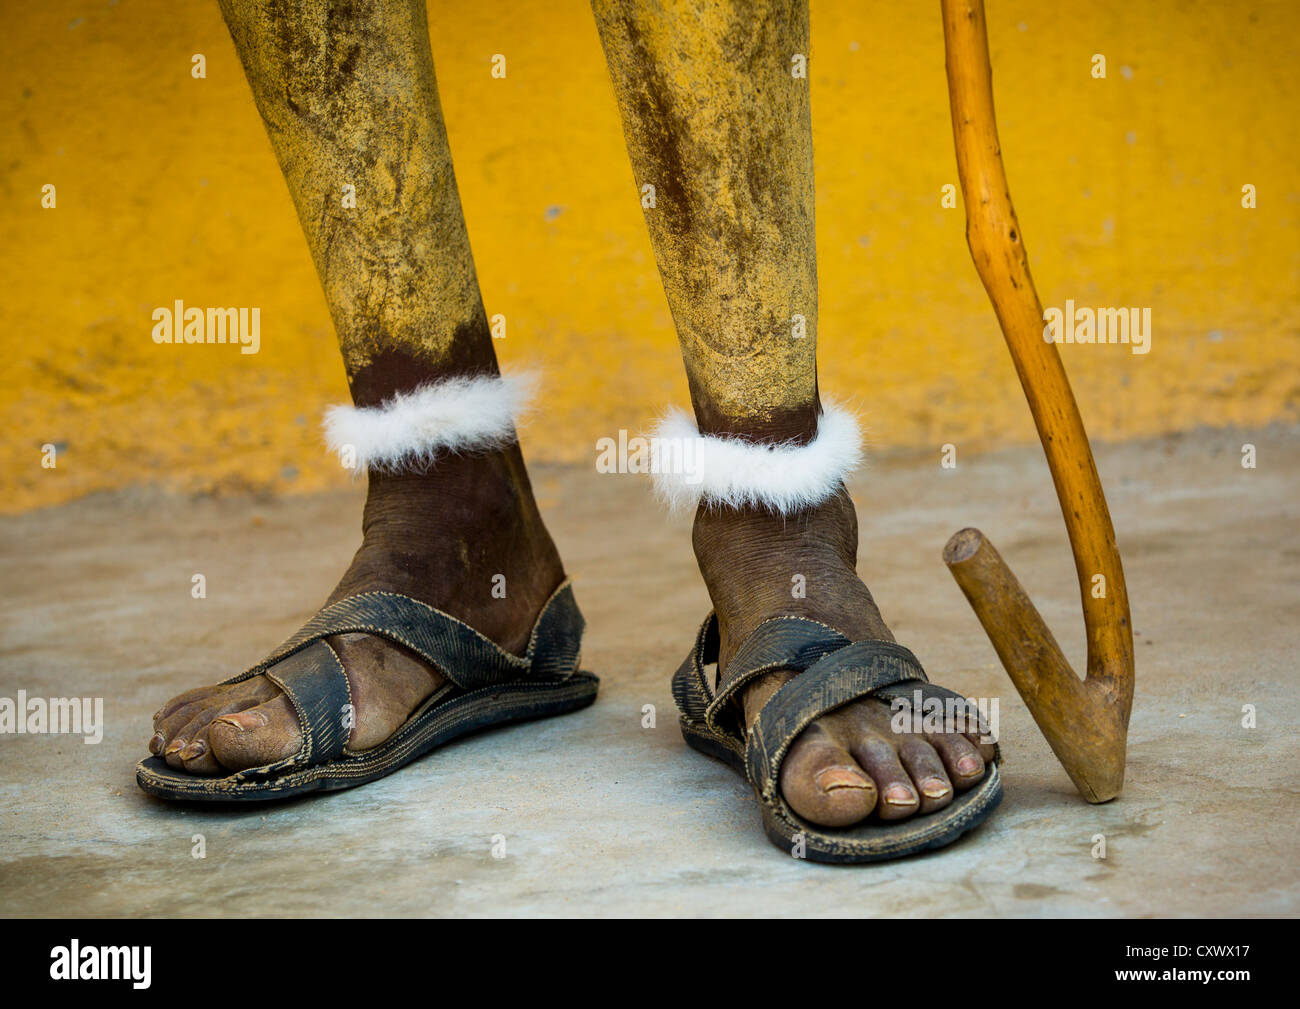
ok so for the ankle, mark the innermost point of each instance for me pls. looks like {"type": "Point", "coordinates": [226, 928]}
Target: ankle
{"type": "Point", "coordinates": [758, 564]}
{"type": "Point", "coordinates": [465, 537]}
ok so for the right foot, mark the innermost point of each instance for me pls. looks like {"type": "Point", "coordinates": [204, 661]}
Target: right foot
{"type": "Point", "coordinates": [440, 537]}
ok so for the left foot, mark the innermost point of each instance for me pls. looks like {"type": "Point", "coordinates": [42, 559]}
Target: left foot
{"type": "Point", "coordinates": [440, 537]}
{"type": "Point", "coordinates": [848, 764]}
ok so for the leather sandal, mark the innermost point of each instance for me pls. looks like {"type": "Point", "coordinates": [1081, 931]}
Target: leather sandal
{"type": "Point", "coordinates": [485, 687]}
{"type": "Point", "coordinates": [832, 671]}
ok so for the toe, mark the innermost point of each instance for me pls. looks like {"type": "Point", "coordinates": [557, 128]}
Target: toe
{"type": "Point", "coordinates": [182, 716]}
{"type": "Point", "coordinates": [960, 757]}
{"type": "Point", "coordinates": [180, 741]}
{"type": "Point", "coordinates": [189, 741]}
{"type": "Point", "coordinates": [986, 750]}
{"type": "Point", "coordinates": [898, 796]}
{"type": "Point", "coordinates": [195, 696]}
{"type": "Point", "coordinates": [167, 729]}
{"type": "Point", "coordinates": [926, 769]}
{"type": "Point", "coordinates": [197, 756]}
{"type": "Point", "coordinates": [976, 730]}
{"type": "Point", "coordinates": [256, 736]}
{"type": "Point", "coordinates": [822, 782]}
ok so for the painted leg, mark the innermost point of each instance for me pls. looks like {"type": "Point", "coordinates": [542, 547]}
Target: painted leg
{"type": "Point", "coordinates": [348, 96]}
{"type": "Point", "coordinates": [718, 124]}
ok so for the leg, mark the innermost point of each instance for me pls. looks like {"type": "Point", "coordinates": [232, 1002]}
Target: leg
{"type": "Point", "coordinates": [716, 122]}
{"type": "Point", "coordinates": [349, 98]}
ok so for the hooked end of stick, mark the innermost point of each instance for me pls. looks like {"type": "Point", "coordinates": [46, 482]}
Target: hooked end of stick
{"type": "Point", "coordinates": [1084, 726]}
{"type": "Point", "coordinates": [962, 546]}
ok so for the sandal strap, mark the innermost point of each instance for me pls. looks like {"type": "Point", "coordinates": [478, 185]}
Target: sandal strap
{"type": "Point", "coordinates": [311, 675]}
{"type": "Point", "coordinates": [555, 645]}
{"type": "Point", "coordinates": [857, 670]}
{"type": "Point", "coordinates": [691, 689]}
{"type": "Point", "coordinates": [460, 653]}
{"type": "Point", "coordinates": [777, 643]}
{"type": "Point", "coordinates": [313, 680]}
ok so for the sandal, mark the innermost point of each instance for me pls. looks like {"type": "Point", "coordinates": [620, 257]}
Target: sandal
{"type": "Point", "coordinates": [486, 686]}
{"type": "Point", "coordinates": [833, 671]}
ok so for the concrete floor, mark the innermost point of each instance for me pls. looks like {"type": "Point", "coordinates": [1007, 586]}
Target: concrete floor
{"type": "Point", "coordinates": [603, 817]}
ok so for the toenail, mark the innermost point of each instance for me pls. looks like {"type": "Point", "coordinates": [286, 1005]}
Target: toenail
{"type": "Point", "coordinates": [157, 743]}
{"type": "Point", "coordinates": [968, 764]}
{"type": "Point", "coordinates": [246, 721]}
{"type": "Point", "coordinates": [175, 746]}
{"type": "Point", "coordinates": [900, 795]}
{"type": "Point", "coordinates": [934, 788]}
{"type": "Point", "coordinates": [831, 778]}
{"type": "Point", "coordinates": [195, 749]}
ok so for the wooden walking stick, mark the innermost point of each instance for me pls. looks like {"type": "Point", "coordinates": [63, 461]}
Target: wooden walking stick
{"type": "Point", "coordinates": [1085, 721]}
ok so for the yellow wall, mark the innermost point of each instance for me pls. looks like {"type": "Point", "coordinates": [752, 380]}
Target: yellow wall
{"type": "Point", "coordinates": [1128, 190]}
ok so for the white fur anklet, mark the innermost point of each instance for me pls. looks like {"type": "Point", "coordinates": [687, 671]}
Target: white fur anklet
{"type": "Point", "coordinates": [408, 430]}
{"type": "Point", "coordinates": [689, 467]}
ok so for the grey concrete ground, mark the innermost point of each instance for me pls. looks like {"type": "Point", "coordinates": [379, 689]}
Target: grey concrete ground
{"type": "Point", "coordinates": [603, 817]}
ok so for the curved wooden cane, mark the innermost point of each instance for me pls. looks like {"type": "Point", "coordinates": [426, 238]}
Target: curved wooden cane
{"type": "Point", "coordinates": [1085, 721]}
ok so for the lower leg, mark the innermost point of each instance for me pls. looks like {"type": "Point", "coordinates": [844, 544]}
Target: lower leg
{"type": "Point", "coordinates": [733, 234]}
{"type": "Point", "coordinates": [349, 99]}
{"type": "Point", "coordinates": [716, 122]}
